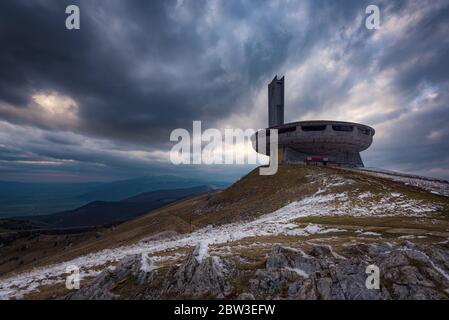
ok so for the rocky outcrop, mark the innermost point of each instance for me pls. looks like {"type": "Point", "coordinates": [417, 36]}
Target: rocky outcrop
{"type": "Point", "coordinates": [407, 271]}
{"type": "Point", "coordinates": [198, 276]}
{"type": "Point", "coordinates": [107, 284]}
{"type": "Point", "coordinates": [207, 278]}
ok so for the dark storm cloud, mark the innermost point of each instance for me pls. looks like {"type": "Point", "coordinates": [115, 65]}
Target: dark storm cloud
{"type": "Point", "coordinates": [135, 73]}
{"type": "Point", "coordinates": [138, 69]}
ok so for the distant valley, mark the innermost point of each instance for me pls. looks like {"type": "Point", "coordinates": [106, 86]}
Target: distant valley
{"type": "Point", "coordinates": [101, 213]}
{"type": "Point", "coordinates": [32, 199]}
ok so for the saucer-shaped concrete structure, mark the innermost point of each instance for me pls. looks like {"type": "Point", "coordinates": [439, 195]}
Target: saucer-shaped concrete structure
{"type": "Point", "coordinates": [323, 142]}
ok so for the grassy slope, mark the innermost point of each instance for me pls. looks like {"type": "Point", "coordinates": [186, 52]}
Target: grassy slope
{"type": "Point", "coordinates": [255, 195]}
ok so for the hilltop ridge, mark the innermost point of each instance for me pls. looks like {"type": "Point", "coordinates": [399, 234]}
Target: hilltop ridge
{"type": "Point", "coordinates": [259, 228]}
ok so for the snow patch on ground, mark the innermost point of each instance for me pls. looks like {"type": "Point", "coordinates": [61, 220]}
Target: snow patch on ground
{"type": "Point", "coordinates": [365, 195]}
{"type": "Point", "coordinates": [435, 186]}
{"type": "Point", "coordinates": [147, 263]}
{"type": "Point", "coordinates": [395, 194]}
{"type": "Point", "coordinates": [310, 229]}
{"type": "Point", "coordinates": [201, 251]}
{"type": "Point", "coordinates": [299, 272]}
{"type": "Point", "coordinates": [369, 233]}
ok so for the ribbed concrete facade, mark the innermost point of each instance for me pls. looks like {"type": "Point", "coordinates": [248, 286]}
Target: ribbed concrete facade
{"type": "Point", "coordinates": [333, 142]}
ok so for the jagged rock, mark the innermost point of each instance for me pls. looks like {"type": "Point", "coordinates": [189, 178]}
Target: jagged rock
{"type": "Point", "coordinates": [101, 287]}
{"type": "Point", "coordinates": [196, 278]}
{"type": "Point", "coordinates": [407, 272]}
{"type": "Point", "coordinates": [205, 277]}
{"type": "Point", "coordinates": [105, 285]}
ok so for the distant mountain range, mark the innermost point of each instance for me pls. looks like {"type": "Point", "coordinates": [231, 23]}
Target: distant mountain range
{"type": "Point", "coordinates": [31, 199]}
{"type": "Point", "coordinates": [98, 213]}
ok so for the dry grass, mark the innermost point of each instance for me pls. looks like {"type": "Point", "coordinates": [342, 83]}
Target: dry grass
{"type": "Point", "coordinates": [428, 224]}
{"type": "Point", "coordinates": [250, 197]}
{"type": "Point", "coordinates": [28, 251]}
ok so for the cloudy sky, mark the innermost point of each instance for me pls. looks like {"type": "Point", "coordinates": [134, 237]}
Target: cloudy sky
{"type": "Point", "coordinates": [99, 103]}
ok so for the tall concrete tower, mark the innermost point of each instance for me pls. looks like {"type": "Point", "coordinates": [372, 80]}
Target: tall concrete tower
{"type": "Point", "coordinates": [276, 102]}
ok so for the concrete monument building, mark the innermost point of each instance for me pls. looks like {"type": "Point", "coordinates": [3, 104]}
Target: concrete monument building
{"type": "Point", "coordinates": [322, 142]}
